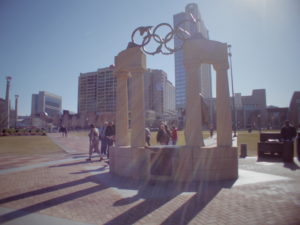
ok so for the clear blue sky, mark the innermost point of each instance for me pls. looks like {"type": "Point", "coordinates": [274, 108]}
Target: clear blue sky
{"type": "Point", "coordinates": [46, 44]}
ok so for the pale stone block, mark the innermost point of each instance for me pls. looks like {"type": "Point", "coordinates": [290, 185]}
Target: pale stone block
{"type": "Point", "coordinates": [205, 51]}
{"type": "Point", "coordinates": [131, 59]}
{"type": "Point", "coordinates": [122, 135]}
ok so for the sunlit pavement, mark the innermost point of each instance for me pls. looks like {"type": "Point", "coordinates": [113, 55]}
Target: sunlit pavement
{"type": "Point", "coordinates": [69, 190]}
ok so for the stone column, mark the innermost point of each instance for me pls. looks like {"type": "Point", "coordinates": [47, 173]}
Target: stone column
{"type": "Point", "coordinates": [16, 110]}
{"type": "Point", "coordinates": [223, 107]}
{"type": "Point", "coordinates": [8, 79]}
{"type": "Point", "coordinates": [134, 61]}
{"type": "Point", "coordinates": [137, 108]}
{"type": "Point", "coordinates": [193, 125]}
{"type": "Point", "coordinates": [122, 137]}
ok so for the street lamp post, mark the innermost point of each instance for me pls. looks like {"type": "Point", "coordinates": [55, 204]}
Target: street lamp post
{"type": "Point", "coordinates": [233, 101]}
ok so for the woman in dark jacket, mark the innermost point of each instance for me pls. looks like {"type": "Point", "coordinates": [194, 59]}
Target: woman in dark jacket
{"type": "Point", "coordinates": [110, 135]}
{"type": "Point", "coordinates": [163, 135]}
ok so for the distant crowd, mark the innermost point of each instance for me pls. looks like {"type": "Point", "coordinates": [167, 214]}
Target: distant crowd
{"type": "Point", "coordinates": [101, 139]}
{"type": "Point", "coordinates": [165, 136]}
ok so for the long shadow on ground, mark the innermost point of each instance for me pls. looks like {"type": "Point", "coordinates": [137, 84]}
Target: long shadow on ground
{"type": "Point", "coordinates": [154, 195]}
{"type": "Point", "coordinates": [51, 202]}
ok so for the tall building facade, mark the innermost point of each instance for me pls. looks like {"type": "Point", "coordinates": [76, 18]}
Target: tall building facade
{"type": "Point", "coordinates": [159, 94]}
{"type": "Point", "coordinates": [251, 110]}
{"type": "Point", "coordinates": [294, 109]}
{"type": "Point", "coordinates": [204, 70]}
{"type": "Point", "coordinates": [97, 91]}
{"type": "Point", "coordinates": [46, 102]}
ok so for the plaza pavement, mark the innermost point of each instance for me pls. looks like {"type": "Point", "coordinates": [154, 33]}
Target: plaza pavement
{"type": "Point", "coordinates": [65, 189]}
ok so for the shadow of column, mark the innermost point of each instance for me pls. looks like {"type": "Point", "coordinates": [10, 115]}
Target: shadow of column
{"type": "Point", "coordinates": [204, 193]}
{"type": "Point", "coordinates": [139, 211]}
{"type": "Point", "coordinates": [51, 202]}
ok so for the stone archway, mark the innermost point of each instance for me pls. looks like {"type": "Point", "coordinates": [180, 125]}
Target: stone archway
{"type": "Point", "coordinates": [193, 162]}
{"type": "Point", "coordinates": [196, 52]}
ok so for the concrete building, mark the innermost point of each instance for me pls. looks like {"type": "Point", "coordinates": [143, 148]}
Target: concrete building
{"type": "Point", "coordinates": [46, 102]}
{"type": "Point", "coordinates": [294, 109]}
{"type": "Point", "coordinates": [97, 91]}
{"type": "Point", "coordinates": [276, 117]}
{"type": "Point", "coordinates": [159, 95]}
{"type": "Point", "coordinates": [251, 110]}
{"type": "Point", "coordinates": [205, 69]}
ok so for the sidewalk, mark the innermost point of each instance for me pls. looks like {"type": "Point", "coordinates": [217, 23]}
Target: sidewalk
{"type": "Point", "coordinates": [73, 191]}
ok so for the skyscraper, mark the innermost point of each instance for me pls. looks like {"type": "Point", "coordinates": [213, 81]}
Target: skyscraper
{"type": "Point", "coordinates": [205, 69]}
{"type": "Point", "coordinates": [45, 102]}
{"type": "Point", "coordinates": [159, 93]}
{"type": "Point", "coordinates": [97, 91]}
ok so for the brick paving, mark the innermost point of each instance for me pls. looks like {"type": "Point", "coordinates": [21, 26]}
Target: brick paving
{"type": "Point", "coordinates": [78, 192]}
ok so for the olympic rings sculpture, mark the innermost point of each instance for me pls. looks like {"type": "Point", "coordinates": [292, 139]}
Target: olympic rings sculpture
{"type": "Point", "coordinates": [148, 34]}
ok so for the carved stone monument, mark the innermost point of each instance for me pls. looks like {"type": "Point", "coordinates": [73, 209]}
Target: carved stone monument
{"type": "Point", "coordinates": [193, 162]}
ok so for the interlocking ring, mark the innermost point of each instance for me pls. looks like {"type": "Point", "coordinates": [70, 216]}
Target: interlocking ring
{"type": "Point", "coordinates": [147, 34]}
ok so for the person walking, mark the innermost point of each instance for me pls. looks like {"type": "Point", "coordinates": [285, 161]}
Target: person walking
{"type": "Point", "coordinates": [168, 134]}
{"type": "Point", "coordinates": [147, 136]}
{"type": "Point", "coordinates": [65, 132]}
{"type": "Point", "coordinates": [162, 136]}
{"type": "Point", "coordinates": [174, 136]}
{"type": "Point", "coordinates": [110, 133]}
{"type": "Point", "coordinates": [94, 141]}
{"type": "Point", "coordinates": [104, 144]}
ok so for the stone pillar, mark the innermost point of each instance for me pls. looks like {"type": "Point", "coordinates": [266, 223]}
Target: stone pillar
{"type": "Point", "coordinates": [16, 110]}
{"type": "Point", "coordinates": [137, 108]}
{"type": "Point", "coordinates": [8, 79]}
{"type": "Point", "coordinates": [223, 107]}
{"type": "Point", "coordinates": [122, 137]}
{"type": "Point", "coordinates": [134, 61]}
{"type": "Point", "coordinates": [193, 125]}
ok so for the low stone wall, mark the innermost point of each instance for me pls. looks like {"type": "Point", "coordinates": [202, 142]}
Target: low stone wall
{"type": "Point", "coordinates": [175, 163]}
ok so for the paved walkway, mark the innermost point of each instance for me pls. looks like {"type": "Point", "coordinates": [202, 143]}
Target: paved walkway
{"type": "Point", "coordinates": [69, 190]}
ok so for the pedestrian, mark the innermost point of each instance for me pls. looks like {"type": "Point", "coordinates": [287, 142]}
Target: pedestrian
{"type": "Point", "coordinates": [288, 131]}
{"type": "Point", "coordinates": [174, 136]}
{"type": "Point", "coordinates": [211, 131]}
{"type": "Point", "coordinates": [147, 136]}
{"type": "Point", "coordinates": [62, 130]}
{"type": "Point", "coordinates": [93, 141]}
{"type": "Point", "coordinates": [168, 134]}
{"type": "Point", "coordinates": [110, 133]}
{"type": "Point", "coordinates": [104, 144]}
{"type": "Point", "coordinates": [162, 136]}
{"type": "Point", "coordinates": [65, 132]}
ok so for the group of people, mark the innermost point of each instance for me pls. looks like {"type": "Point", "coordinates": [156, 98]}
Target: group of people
{"type": "Point", "coordinates": [105, 135]}
{"type": "Point", "coordinates": [100, 140]}
{"type": "Point", "coordinates": [164, 136]}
